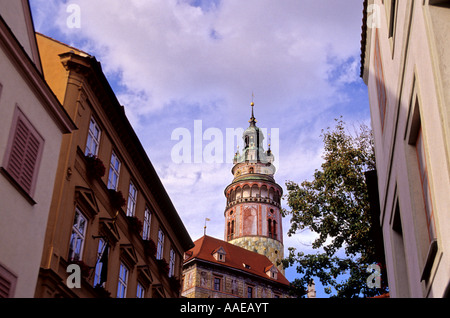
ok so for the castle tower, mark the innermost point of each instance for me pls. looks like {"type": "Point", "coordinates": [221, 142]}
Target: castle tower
{"type": "Point", "coordinates": [252, 215]}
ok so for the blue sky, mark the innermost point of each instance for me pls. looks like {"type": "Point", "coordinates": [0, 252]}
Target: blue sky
{"type": "Point", "coordinates": [172, 62]}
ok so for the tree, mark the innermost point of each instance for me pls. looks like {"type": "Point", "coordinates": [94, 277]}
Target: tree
{"type": "Point", "coordinates": [335, 205]}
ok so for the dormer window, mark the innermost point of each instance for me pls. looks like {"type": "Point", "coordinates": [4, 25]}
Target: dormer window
{"type": "Point", "coordinates": [272, 272]}
{"type": "Point", "coordinates": [219, 254]}
{"type": "Point", "coordinates": [187, 255]}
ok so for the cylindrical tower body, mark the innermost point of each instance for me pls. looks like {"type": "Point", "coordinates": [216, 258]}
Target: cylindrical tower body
{"type": "Point", "coordinates": [252, 216]}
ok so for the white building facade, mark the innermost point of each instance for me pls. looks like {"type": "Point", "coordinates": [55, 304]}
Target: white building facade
{"type": "Point", "coordinates": [405, 63]}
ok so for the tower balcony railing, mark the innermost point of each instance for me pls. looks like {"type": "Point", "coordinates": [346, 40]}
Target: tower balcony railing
{"type": "Point", "coordinates": [254, 199]}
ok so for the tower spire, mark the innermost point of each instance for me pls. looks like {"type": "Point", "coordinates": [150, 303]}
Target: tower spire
{"type": "Point", "coordinates": [252, 120]}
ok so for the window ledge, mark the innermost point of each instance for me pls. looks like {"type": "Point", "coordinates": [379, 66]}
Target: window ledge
{"type": "Point", "coordinates": [16, 185]}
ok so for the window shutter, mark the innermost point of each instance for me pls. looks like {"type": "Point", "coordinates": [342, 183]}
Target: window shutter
{"type": "Point", "coordinates": [25, 150]}
{"type": "Point", "coordinates": [7, 283]}
{"type": "Point", "coordinates": [5, 287]}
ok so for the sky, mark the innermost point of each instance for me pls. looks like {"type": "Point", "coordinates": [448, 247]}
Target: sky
{"type": "Point", "coordinates": [186, 72]}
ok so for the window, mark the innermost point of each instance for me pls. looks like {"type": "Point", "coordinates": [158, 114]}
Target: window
{"type": "Point", "coordinates": [392, 14]}
{"type": "Point", "coordinates": [147, 223]}
{"type": "Point", "coordinates": [140, 291]}
{"type": "Point", "coordinates": [398, 252]}
{"type": "Point", "coordinates": [421, 158]}
{"type": "Point", "coordinates": [249, 292]}
{"type": "Point", "coordinates": [101, 265]}
{"type": "Point", "coordinates": [217, 283]}
{"type": "Point", "coordinates": [219, 254]}
{"type": "Point", "coordinates": [132, 194]}
{"type": "Point", "coordinates": [78, 236]}
{"type": "Point", "coordinates": [230, 229]}
{"type": "Point", "coordinates": [172, 262]}
{"type": "Point", "coordinates": [93, 139]}
{"type": "Point", "coordinates": [269, 227]}
{"type": "Point", "coordinates": [23, 152]}
{"type": "Point", "coordinates": [160, 247]}
{"type": "Point", "coordinates": [379, 77]}
{"type": "Point", "coordinates": [7, 281]}
{"type": "Point", "coordinates": [123, 281]}
{"type": "Point", "coordinates": [114, 169]}
{"type": "Point", "coordinates": [272, 228]}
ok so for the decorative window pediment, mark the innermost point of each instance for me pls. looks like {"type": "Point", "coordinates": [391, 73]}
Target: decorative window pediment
{"type": "Point", "coordinates": [128, 255]}
{"type": "Point", "coordinates": [145, 275]}
{"type": "Point", "coordinates": [108, 228]}
{"type": "Point", "coordinates": [85, 197]}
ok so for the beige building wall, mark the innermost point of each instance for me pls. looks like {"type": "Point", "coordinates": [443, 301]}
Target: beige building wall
{"type": "Point", "coordinates": [409, 41]}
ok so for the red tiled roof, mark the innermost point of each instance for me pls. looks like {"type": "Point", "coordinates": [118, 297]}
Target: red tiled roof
{"type": "Point", "coordinates": [235, 258]}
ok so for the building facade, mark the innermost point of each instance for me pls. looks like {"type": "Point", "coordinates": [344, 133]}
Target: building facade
{"type": "Point", "coordinates": [252, 215]}
{"type": "Point", "coordinates": [32, 125]}
{"type": "Point", "coordinates": [112, 229]}
{"type": "Point", "coordinates": [217, 269]}
{"type": "Point", "coordinates": [405, 64]}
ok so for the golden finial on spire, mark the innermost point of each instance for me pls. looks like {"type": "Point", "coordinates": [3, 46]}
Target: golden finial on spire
{"type": "Point", "coordinates": [252, 120]}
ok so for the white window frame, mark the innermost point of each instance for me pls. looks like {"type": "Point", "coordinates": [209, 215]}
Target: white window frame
{"type": "Point", "coordinates": [123, 281]}
{"type": "Point", "coordinates": [102, 246]}
{"type": "Point", "coordinates": [114, 171]}
{"type": "Point", "coordinates": [132, 196]}
{"type": "Point", "coordinates": [78, 234]}
{"type": "Point", "coordinates": [93, 140]}
{"type": "Point", "coordinates": [140, 291]}
{"type": "Point", "coordinates": [172, 259]}
{"type": "Point", "coordinates": [147, 224]}
{"type": "Point", "coordinates": [160, 247]}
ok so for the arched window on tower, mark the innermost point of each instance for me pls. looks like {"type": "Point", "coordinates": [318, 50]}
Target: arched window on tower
{"type": "Point", "coordinates": [230, 230]}
{"type": "Point", "coordinates": [255, 191]}
{"type": "Point", "coordinates": [238, 193]}
{"type": "Point", "coordinates": [274, 230]}
{"type": "Point", "coordinates": [246, 191]}
{"type": "Point", "coordinates": [269, 227]}
{"type": "Point", "coordinates": [263, 191]}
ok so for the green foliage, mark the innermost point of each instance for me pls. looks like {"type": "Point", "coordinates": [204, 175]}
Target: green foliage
{"type": "Point", "coordinates": [335, 206]}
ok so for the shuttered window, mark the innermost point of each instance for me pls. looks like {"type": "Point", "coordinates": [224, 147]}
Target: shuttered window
{"type": "Point", "coordinates": [24, 152]}
{"type": "Point", "coordinates": [7, 283]}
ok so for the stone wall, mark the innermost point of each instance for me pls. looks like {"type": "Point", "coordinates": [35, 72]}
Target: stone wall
{"type": "Point", "coordinates": [271, 248]}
